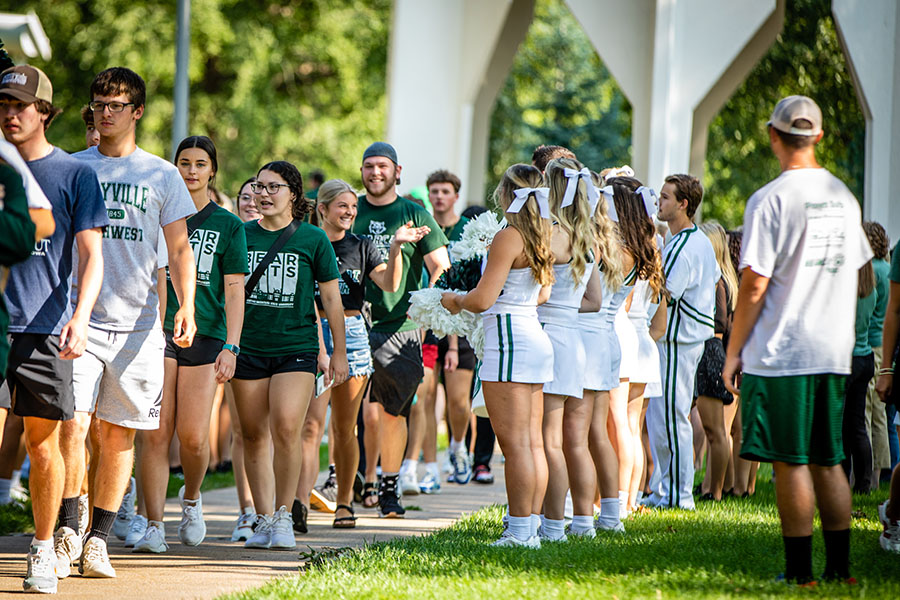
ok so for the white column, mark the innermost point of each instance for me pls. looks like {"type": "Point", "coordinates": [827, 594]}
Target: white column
{"type": "Point", "coordinates": [868, 31]}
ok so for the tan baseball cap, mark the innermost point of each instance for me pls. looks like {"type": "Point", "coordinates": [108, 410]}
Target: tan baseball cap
{"type": "Point", "coordinates": [792, 109]}
{"type": "Point", "coordinates": [26, 83]}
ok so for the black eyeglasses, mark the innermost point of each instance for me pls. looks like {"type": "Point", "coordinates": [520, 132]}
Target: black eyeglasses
{"type": "Point", "coordinates": [115, 107]}
{"type": "Point", "coordinates": [272, 187]}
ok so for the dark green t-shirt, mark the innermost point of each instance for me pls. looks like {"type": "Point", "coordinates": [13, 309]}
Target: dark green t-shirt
{"type": "Point", "coordinates": [16, 241]}
{"type": "Point", "coordinates": [220, 248]}
{"type": "Point", "coordinates": [895, 264]}
{"type": "Point", "coordinates": [454, 232]}
{"type": "Point", "coordinates": [280, 316]}
{"type": "Point", "coordinates": [379, 224]}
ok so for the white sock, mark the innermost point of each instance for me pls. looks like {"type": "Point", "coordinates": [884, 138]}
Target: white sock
{"type": "Point", "coordinates": [454, 445]}
{"type": "Point", "coordinates": [609, 511]}
{"type": "Point", "coordinates": [520, 527]}
{"type": "Point", "coordinates": [535, 523]}
{"type": "Point", "coordinates": [409, 465]}
{"type": "Point", "coordinates": [582, 522]}
{"type": "Point", "coordinates": [638, 497]}
{"type": "Point", "coordinates": [5, 485]}
{"type": "Point", "coordinates": [554, 528]}
{"type": "Point", "coordinates": [247, 510]}
{"type": "Point", "coordinates": [42, 543]}
{"type": "Point", "coordinates": [433, 469]}
{"type": "Point", "coordinates": [623, 504]}
{"type": "Point", "coordinates": [16, 478]}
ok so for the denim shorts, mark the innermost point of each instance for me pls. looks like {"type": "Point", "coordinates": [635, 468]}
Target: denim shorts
{"type": "Point", "coordinates": [359, 356]}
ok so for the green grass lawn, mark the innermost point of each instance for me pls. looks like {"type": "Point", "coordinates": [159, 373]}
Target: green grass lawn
{"type": "Point", "coordinates": [731, 549]}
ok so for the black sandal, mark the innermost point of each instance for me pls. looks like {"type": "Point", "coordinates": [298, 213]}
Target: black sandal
{"type": "Point", "coordinates": [369, 491]}
{"type": "Point", "coordinates": [348, 522]}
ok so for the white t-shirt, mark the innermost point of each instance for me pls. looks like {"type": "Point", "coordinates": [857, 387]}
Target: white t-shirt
{"type": "Point", "coordinates": [691, 272]}
{"type": "Point", "coordinates": [33, 192]}
{"type": "Point", "coordinates": [803, 232]}
{"type": "Point", "coordinates": [142, 193]}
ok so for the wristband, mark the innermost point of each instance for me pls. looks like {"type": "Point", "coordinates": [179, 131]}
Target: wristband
{"type": "Point", "coordinates": [886, 371]}
{"type": "Point", "coordinates": [233, 348]}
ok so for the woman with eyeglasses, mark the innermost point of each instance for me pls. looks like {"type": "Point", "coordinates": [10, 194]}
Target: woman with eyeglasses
{"type": "Point", "coordinates": [193, 373]}
{"type": "Point", "coordinates": [275, 374]}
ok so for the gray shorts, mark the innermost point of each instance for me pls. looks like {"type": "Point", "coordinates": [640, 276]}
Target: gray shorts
{"type": "Point", "coordinates": [120, 377]}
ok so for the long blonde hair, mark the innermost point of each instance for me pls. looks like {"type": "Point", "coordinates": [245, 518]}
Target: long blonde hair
{"type": "Point", "coordinates": [610, 254]}
{"type": "Point", "coordinates": [535, 231]}
{"type": "Point", "coordinates": [716, 235]}
{"type": "Point", "coordinates": [575, 219]}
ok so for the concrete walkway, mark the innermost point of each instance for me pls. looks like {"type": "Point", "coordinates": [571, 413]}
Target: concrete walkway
{"type": "Point", "coordinates": [218, 566]}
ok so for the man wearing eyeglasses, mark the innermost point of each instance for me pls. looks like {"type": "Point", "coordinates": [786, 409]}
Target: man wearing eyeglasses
{"type": "Point", "coordinates": [120, 377]}
{"type": "Point", "coordinates": [46, 331]}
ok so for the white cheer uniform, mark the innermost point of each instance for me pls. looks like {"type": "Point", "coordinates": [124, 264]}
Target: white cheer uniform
{"type": "Point", "coordinates": [559, 317]}
{"type": "Point", "coordinates": [647, 360]}
{"type": "Point", "coordinates": [691, 272]}
{"type": "Point", "coordinates": [598, 333]}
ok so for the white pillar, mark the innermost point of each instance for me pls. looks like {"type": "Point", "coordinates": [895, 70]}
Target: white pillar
{"type": "Point", "coordinates": [869, 31]}
{"type": "Point", "coordinates": [448, 59]}
{"type": "Point", "coordinates": [677, 62]}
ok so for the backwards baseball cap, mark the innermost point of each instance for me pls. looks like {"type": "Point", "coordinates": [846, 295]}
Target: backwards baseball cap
{"type": "Point", "coordinates": [795, 108]}
{"type": "Point", "coordinates": [381, 149]}
{"type": "Point", "coordinates": [26, 83]}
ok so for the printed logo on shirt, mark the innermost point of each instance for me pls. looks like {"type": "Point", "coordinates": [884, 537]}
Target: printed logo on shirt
{"type": "Point", "coordinates": [115, 214]}
{"type": "Point", "coordinates": [204, 243]}
{"type": "Point", "coordinates": [826, 232]}
{"type": "Point", "coordinates": [41, 248]}
{"type": "Point", "coordinates": [278, 285]}
{"type": "Point", "coordinates": [126, 194]}
{"type": "Point", "coordinates": [376, 227]}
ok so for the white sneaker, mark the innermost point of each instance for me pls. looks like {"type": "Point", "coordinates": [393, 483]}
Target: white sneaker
{"type": "Point", "coordinates": [262, 536]}
{"type": "Point", "coordinates": [136, 531]}
{"type": "Point", "coordinates": [508, 540]}
{"type": "Point", "coordinates": [546, 537]}
{"type": "Point", "coordinates": [41, 576]}
{"type": "Point", "coordinates": [619, 527]}
{"type": "Point", "coordinates": [67, 545]}
{"type": "Point", "coordinates": [243, 529]}
{"type": "Point", "coordinates": [95, 560]}
{"type": "Point", "coordinates": [890, 537]}
{"type": "Point", "coordinates": [126, 512]}
{"type": "Point", "coordinates": [84, 515]}
{"type": "Point", "coordinates": [409, 483]}
{"type": "Point", "coordinates": [282, 531]}
{"type": "Point", "coordinates": [579, 533]}
{"type": "Point", "coordinates": [153, 540]}
{"type": "Point", "coordinates": [192, 528]}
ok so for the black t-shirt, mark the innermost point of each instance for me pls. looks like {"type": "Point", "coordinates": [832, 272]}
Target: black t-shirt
{"type": "Point", "coordinates": [356, 257]}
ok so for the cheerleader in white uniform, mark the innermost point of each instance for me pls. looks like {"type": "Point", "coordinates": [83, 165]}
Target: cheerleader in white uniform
{"type": "Point", "coordinates": [642, 257]}
{"type": "Point", "coordinates": [567, 416]}
{"type": "Point", "coordinates": [518, 356]}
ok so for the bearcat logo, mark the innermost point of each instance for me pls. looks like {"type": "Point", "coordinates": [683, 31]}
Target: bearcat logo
{"type": "Point", "coordinates": [15, 78]}
{"type": "Point", "coordinates": [376, 227]}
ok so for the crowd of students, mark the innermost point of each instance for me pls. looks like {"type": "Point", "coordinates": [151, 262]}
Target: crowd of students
{"type": "Point", "coordinates": [608, 314]}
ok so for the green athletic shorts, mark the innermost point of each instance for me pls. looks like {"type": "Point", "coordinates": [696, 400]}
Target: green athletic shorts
{"type": "Point", "coordinates": [794, 419]}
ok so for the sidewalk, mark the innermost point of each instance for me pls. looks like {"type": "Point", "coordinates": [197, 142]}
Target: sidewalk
{"type": "Point", "coordinates": [218, 565]}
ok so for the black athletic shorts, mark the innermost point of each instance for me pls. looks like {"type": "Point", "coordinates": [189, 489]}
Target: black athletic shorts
{"type": "Point", "coordinates": [261, 367]}
{"type": "Point", "coordinates": [204, 351]}
{"type": "Point", "coordinates": [38, 383]}
{"type": "Point", "coordinates": [466, 354]}
{"type": "Point", "coordinates": [397, 359]}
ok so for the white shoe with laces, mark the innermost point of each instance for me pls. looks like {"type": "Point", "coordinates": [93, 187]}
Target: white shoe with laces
{"type": "Point", "coordinates": [546, 537]}
{"type": "Point", "coordinates": [890, 537]}
{"type": "Point", "coordinates": [262, 534]}
{"type": "Point", "coordinates": [95, 560]}
{"type": "Point", "coordinates": [41, 575]}
{"type": "Point", "coordinates": [126, 511]}
{"type": "Point", "coordinates": [243, 528]}
{"type": "Point", "coordinates": [282, 531]}
{"type": "Point", "coordinates": [619, 527]}
{"type": "Point", "coordinates": [508, 540]}
{"type": "Point", "coordinates": [588, 533]}
{"type": "Point", "coordinates": [67, 545]}
{"type": "Point", "coordinates": [154, 539]}
{"type": "Point", "coordinates": [136, 531]}
{"type": "Point", "coordinates": [409, 483]}
{"type": "Point", "coordinates": [192, 529]}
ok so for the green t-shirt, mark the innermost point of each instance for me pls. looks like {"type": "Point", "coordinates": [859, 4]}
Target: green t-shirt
{"type": "Point", "coordinates": [280, 316]}
{"type": "Point", "coordinates": [379, 224]}
{"type": "Point", "coordinates": [864, 309]}
{"type": "Point", "coordinates": [895, 264]}
{"type": "Point", "coordinates": [220, 248]}
{"type": "Point", "coordinates": [882, 288]}
{"type": "Point", "coordinates": [16, 243]}
{"type": "Point", "coordinates": [454, 232]}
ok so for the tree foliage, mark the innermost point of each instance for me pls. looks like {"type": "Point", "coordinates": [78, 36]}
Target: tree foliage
{"type": "Point", "coordinates": [298, 80]}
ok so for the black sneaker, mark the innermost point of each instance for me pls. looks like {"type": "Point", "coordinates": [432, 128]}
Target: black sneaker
{"type": "Point", "coordinates": [298, 516]}
{"type": "Point", "coordinates": [358, 485]}
{"type": "Point", "coordinates": [388, 499]}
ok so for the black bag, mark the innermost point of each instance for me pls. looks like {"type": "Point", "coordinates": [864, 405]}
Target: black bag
{"type": "Point", "coordinates": [269, 257]}
{"type": "Point", "coordinates": [201, 217]}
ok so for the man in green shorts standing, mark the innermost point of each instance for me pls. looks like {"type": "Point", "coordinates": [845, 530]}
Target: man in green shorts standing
{"type": "Point", "coordinates": [793, 337]}
{"type": "Point", "coordinates": [395, 340]}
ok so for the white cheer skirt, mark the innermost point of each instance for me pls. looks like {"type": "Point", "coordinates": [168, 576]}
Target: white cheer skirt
{"type": "Point", "coordinates": [628, 345]}
{"type": "Point", "coordinates": [516, 349]}
{"type": "Point", "coordinates": [602, 356]}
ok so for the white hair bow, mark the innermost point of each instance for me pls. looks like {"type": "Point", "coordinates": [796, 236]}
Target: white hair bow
{"type": "Point", "coordinates": [651, 200]}
{"type": "Point", "coordinates": [610, 202]}
{"type": "Point", "coordinates": [571, 186]}
{"type": "Point", "coordinates": [542, 195]}
{"type": "Point", "coordinates": [623, 171]}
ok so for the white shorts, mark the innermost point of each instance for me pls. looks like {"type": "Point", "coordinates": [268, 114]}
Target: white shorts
{"type": "Point", "coordinates": [601, 371]}
{"type": "Point", "coordinates": [628, 344]}
{"type": "Point", "coordinates": [569, 361]}
{"type": "Point", "coordinates": [516, 349]}
{"type": "Point", "coordinates": [120, 377]}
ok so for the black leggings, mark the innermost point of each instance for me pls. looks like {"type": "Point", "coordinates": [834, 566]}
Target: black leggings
{"type": "Point", "coordinates": [857, 447]}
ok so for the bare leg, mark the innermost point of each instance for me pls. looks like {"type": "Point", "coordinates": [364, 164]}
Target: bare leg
{"type": "Point", "coordinates": [345, 401]}
{"type": "Point", "coordinates": [237, 452]}
{"type": "Point", "coordinates": [635, 406]}
{"type": "Point", "coordinates": [153, 471]}
{"type": "Point", "coordinates": [579, 464]}
{"type": "Point", "coordinates": [393, 440]}
{"type": "Point", "coordinates": [251, 398]}
{"type": "Point", "coordinates": [372, 437]}
{"type": "Point", "coordinates": [310, 440]}
{"type": "Point", "coordinates": [47, 473]}
{"type": "Point", "coordinates": [557, 480]}
{"type": "Point", "coordinates": [541, 473]}
{"type": "Point", "coordinates": [116, 450]}
{"type": "Point", "coordinates": [458, 385]}
{"type": "Point", "coordinates": [289, 395]}
{"type": "Point", "coordinates": [712, 415]}
{"type": "Point", "coordinates": [619, 433]}
{"type": "Point", "coordinates": [601, 448]}
{"type": "Point", "coordinates": [212, 436]}
{"type": "Point", "coordinates": [195, 407]}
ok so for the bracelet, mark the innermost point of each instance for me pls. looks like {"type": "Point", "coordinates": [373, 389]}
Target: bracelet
{"type": "Point", "coordinates": [886, 371]}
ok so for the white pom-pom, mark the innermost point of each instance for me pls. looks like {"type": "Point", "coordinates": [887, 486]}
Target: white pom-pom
{"type": "Point", "coordinates": [476, 237]}
{"type": "Point", "coordinates": [476, 339]}
{"type": "Point", "coordinates": [426, 310]}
